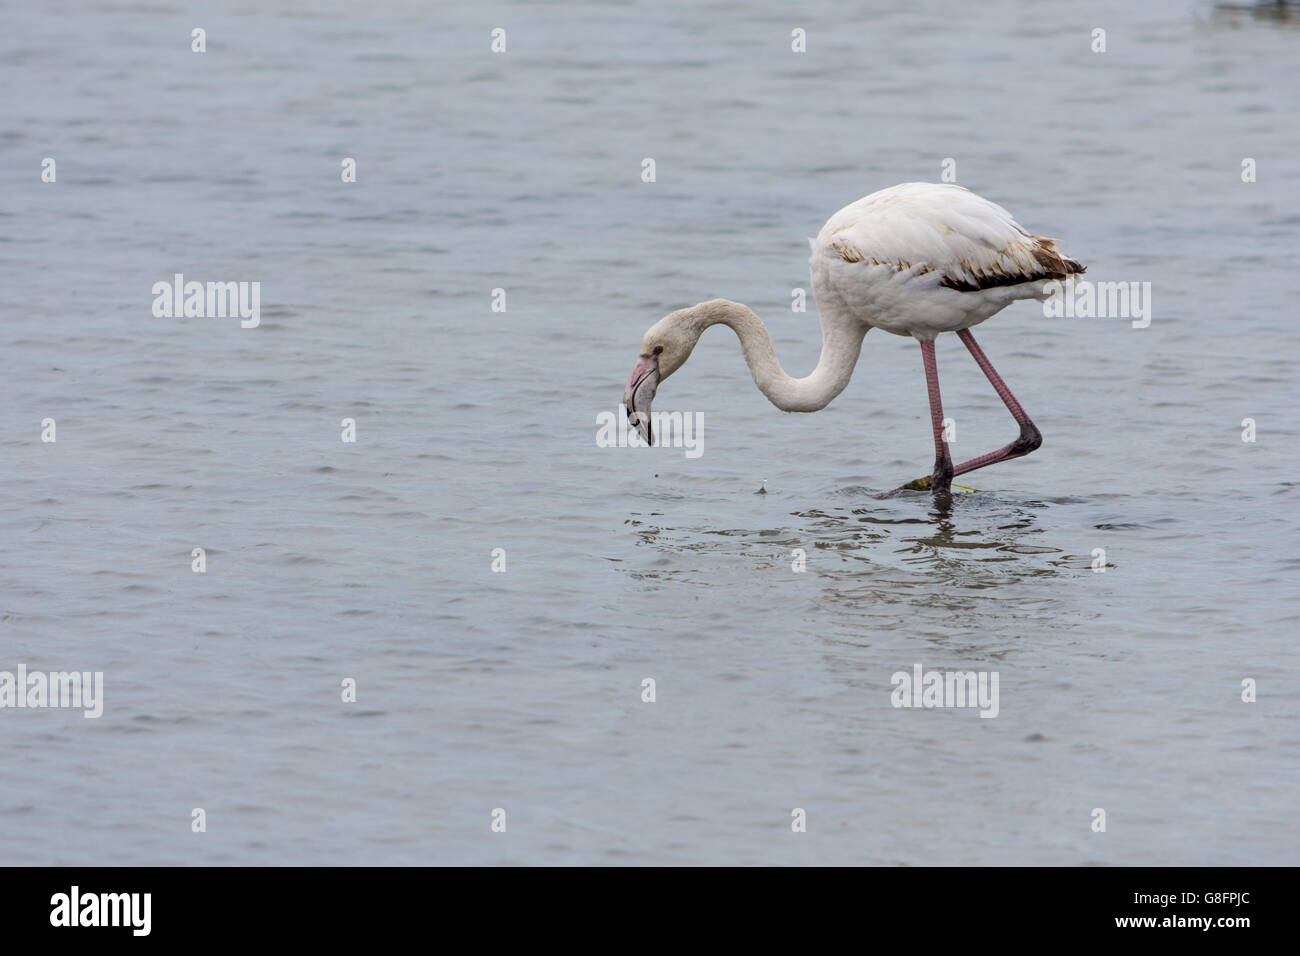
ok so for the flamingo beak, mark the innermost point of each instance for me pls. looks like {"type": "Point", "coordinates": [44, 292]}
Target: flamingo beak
{"type": "Point", "coordinates": [640, 393]}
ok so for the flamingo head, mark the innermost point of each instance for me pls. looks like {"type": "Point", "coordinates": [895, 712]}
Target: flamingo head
{"type": "Point", "coordinates": [664, 349]}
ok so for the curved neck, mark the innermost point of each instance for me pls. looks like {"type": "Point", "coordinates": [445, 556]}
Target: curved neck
{"type": "Point", "coordinates": [841, 345]}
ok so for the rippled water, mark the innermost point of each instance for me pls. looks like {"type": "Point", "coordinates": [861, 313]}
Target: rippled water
{"type": "Point", "coordinates": [476, 431]}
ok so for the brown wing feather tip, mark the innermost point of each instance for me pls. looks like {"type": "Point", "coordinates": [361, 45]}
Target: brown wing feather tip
{"type": "Point", "coordinates": [972, 279]}
{"type": "Point", "coordinates": [994, 281]}
{"type": "Point", "coordinates": [847, 251]}
{"type": "Point", "coordinates": [1071, 266]}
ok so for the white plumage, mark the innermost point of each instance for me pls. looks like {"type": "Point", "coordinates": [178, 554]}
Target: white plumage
{"type": "Point", "coordinates": [919, 259]}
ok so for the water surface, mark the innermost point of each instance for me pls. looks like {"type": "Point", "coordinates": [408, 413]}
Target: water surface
{"type": "Point", "coordinates": [476, 430]}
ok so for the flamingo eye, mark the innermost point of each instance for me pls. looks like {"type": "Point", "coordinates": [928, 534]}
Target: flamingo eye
{"type": "Point", "coordinates": [658, 349]}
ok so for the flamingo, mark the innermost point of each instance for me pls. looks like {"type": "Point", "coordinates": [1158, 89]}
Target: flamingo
{"type": "Point", "coordinates": [917, 259]}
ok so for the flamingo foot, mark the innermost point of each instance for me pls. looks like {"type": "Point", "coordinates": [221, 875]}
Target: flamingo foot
{"type": "Point", "coordinates": [927, 484]}
{"type": "Point", "coordinates": [1030, 440]}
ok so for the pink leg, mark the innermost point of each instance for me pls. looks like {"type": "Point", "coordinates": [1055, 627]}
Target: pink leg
{"type": "Point", "coordinates": [1029, 439]}
{"type": "Point", "coordinates": [941, 480]}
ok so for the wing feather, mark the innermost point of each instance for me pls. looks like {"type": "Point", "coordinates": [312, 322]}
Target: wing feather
{"type": "Point", "coordinates": [965, 241]}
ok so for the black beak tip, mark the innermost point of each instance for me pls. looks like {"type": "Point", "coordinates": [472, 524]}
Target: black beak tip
{"type": "Point", "coordinates": [640, 422]}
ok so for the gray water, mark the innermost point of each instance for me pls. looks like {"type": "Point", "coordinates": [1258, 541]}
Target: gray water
{"type": "Point", "coordinates": [476, 430]}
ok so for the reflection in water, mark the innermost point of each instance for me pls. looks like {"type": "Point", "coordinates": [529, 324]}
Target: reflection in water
{"type": "Point", "coordinates": [1264, 11]}
{"type": "Point", "coordinates": [887, 569]}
